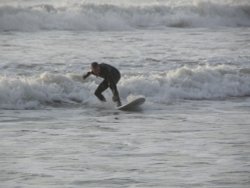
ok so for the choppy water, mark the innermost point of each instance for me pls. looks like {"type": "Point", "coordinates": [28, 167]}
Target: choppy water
{"type": "Point", "coordinates": [193, 69]}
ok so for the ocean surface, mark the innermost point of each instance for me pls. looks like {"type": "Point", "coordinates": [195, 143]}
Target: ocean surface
{"type": "Point", "coordinates": [189, 59]}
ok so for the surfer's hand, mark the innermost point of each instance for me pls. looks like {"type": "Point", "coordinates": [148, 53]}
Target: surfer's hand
{"type": "Point", "coordinates": [85, 76]}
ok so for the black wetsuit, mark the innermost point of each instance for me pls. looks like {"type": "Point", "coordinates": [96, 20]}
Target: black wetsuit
{"type": "Point", "coordinates": [111, 77]}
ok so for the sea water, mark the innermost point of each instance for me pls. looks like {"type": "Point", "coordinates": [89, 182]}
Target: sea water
{"type": "Point", "coordinates": [189, 59]}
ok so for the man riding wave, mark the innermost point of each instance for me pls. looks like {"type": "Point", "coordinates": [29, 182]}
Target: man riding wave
{"type": "Point", "coordinates": [111, 77]}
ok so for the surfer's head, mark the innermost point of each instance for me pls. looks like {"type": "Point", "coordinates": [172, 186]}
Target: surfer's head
{"type": "Point", "coordinates": [95, 67]}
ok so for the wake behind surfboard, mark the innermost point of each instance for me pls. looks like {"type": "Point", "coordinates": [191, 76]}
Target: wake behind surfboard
{"type": "Point", "coordinates": [132, 105]}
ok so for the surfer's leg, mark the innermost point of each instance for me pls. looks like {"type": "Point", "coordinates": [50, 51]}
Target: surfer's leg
{"type": "Point", "coordinates": [98, 92]}
{"type": "Point", "coordinates": [116, 99]}
{"type": "Point", "coordinates": [115, 92]}
{"type": "Point", "coordinates": [113, 87]}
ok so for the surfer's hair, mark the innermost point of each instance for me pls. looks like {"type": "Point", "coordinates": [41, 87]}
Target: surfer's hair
{"type": "Point", "coordinates": [94, 64]}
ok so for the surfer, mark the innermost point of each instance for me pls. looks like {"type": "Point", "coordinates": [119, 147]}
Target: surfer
{"type": "Point", "coordinates": [111, 77]}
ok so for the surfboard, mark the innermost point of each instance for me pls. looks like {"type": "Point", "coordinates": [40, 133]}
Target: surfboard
{"type": "Point", "coordinates": [132, 105]}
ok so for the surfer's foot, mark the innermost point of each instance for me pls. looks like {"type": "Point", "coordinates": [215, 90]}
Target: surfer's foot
{"type": "Point", "coordinates": [117, 100]}
{"type": "Point", "coordinates": [118, 103]}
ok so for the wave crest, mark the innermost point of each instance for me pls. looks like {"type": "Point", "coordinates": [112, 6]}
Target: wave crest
{"type": "Point", "coordinates": [198, 83]}
{"type": "Point", "coordinates": [98, 17]}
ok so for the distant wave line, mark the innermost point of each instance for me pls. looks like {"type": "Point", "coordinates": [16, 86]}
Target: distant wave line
{"type": "Point", "coordinates": [94, 17]}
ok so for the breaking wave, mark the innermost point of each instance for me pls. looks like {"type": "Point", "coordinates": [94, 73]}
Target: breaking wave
{"type": "Point", "coordinates": [199, 83]}
{"type": "Point", "coordinates": [104, 17]}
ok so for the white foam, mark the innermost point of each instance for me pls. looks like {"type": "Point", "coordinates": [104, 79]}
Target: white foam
{"type": "Point", "coordinates": [102, 17]}
{"type": "Point", "coordinates": [47, 89]}
{"type": "Point", "coordinates": [197, 83]}
{"type": "Point", "coordinates": [202, 82]}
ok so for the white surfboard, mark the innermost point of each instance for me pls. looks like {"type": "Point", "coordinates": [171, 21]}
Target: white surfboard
{"type": "Point", "coordinates": [132, 105]}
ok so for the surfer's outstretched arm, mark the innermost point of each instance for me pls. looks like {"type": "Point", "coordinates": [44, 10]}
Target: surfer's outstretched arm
{"type": "Point", "coordinates": [86, 75]}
